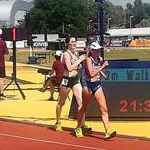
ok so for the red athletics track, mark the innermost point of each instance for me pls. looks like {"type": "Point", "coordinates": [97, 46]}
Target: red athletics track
{"type": "Point", "coordinates": [21, 136]}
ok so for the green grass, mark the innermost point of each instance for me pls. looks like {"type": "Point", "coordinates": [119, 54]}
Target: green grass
{"type": "Point", "coordinates": [141, 54]}
{"type": "Point", "coordinates": [22, 57]}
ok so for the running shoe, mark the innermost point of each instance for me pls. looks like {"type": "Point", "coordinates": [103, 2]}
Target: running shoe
{"type": "Point", "coordinates": [2, 95]}
{"type": "Point", "coordinates": [51, 99]}
{"type": "Point", "coordinates": [78, 132]}
{"type": "Point", "coordinates": [85, 129]}
{"type": "Point", "coordinates": [2, 98]}
{"type": "Point", "coordinates": [110, 134]}
{"type": "Point", "coordinates": [58, 127]}
{"type": "Point", "coordinates": [42, 89]}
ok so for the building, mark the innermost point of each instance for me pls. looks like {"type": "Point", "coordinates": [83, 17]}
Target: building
{"type": "Point", "coordinates": [130, 33]}
{"type": "Point", "coordinates": [132, 37]}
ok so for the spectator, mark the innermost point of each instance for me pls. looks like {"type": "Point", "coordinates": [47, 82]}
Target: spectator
{"type": "Point", "coordinates": [55, 76]}
{"type": "Point", "coordinates": [3, 51]}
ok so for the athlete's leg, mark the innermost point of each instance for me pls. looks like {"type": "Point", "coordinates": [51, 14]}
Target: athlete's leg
{"type": "Point", "coordinates": [1, 85]}
{"type": "Point", "coordinates": [86, 97]}
{"type": "Point", "coordinates": [64, 91]}
{"type": "Point", "coordinates": [100, 97]}
{"type": "Point", "coordinates": [52, 88]}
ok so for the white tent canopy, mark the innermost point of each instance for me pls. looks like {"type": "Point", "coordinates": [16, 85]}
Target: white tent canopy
{"type": "Point", "coordinates": [129, 32]}
{"type": "Point", "coordinates": [9, 8]}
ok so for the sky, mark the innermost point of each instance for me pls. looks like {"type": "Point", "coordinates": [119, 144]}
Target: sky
{"type": "Point", "coordinates": [124, 2]}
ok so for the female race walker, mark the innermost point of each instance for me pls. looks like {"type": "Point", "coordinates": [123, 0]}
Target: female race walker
{"type": "Point", "coordinates": [92, 85]}
{"type": "Point", "coordinates": [71, 61]}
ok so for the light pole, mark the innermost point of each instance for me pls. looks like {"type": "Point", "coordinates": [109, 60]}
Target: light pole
{"type": "Point", "coordinates": [89, 25]}
{"type": "Point", "coordinates": [101, 25]}
{"type": "Point", "coordinates": [131, 26]}
{"type": "Point", "coordinates": [108, 23]}
{"type": "Point", "coordinates": [149, 29]}
{"type": "Point", "coordinates": [63, 27]}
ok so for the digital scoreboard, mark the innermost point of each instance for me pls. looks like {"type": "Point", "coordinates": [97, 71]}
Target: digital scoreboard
{"type": "Point", "coordinates": [128, 100]}
{"type": "Point", "coordinates": [14, 34]}
{"type": "Point", "coordinates": [127, 92]}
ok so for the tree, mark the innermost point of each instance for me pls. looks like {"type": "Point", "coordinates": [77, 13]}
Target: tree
{"type": "Point", "coordinates": [116, 13]}
{"type": "Point", "coordinates": [53, 14]}
{"type": "Point", "coordinates": [146, 7]}
{"type": "Point", "coordinates": [79, 17]}
{"type": "Point", "coordinates": [138, 11]}
{"type": "Point", "coordinates": [128, 13]}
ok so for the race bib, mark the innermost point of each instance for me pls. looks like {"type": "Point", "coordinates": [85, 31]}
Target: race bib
{"type": "Point", "coordinates": [65, 82]}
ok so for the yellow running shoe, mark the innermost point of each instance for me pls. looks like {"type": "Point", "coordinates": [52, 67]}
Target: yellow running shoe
{"type": "Point", "coordinates": [78, 132]}
{"type": "Point", "coordinates": [110, 134]}
{"type": "Point", "coordinates": [58, 127]}
{"type": "Point", "coordinates": [86, 129]}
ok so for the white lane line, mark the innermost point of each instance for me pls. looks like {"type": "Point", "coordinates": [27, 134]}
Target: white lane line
{"type": "Point", "coordinates": [52, 142]}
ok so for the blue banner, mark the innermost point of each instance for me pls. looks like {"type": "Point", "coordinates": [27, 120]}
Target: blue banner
{"type": "Point", "coordinates": [127, 75]}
